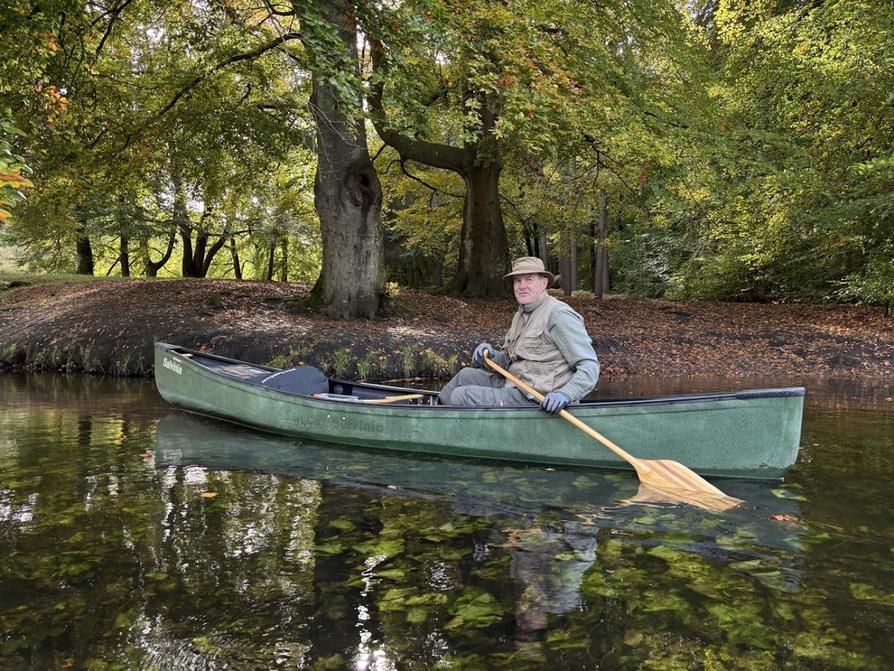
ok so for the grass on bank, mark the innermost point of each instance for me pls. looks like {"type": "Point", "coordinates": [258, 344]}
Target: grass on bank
{"type": "Point", "coordinates": [22, 278]}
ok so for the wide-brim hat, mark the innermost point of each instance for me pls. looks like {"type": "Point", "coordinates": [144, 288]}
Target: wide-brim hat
{"type": "Point", "coordinates": [528, 265]}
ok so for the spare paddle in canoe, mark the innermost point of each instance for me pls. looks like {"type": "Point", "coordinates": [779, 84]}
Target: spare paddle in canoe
{"type": "Point", "coordinates": [673, 481]}
{"type": "Point", "coordinates": [392, 399]}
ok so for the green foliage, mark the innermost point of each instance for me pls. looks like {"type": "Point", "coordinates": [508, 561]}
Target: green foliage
{"type": "Point", "coordinates": [793, 196]}
{"type": "Point", "coordinates": [12, 181]}
{"type": "Point", "coordinates": [875, 284]}
{"type": "Point", "coordinates": [341, 360]}
{"type": "Point", "coordinates": [363, 369]}
{"type": "Point", "coordinates": [408, 360]}
{"type": "Point", "coordinates": [170, 103]}
{"type": "Point", "coordinates": [745, 149]}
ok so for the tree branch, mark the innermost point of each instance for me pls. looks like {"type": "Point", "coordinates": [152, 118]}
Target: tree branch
{"type": "Point", "coordinates": [116, 11]}
{"type": "Point", "coordinates": [246, 56]}
{"type": "Point", "coordinates": [403, 169]}
{"type": "Point", "coordinates": [198, 79]}
{"type": "Point", "coordinates": [433, 154]}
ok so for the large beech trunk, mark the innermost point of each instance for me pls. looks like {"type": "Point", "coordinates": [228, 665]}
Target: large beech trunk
{"type": "Point", "coordinates": [347, 192]}
{"type": "Point", "coordinates": [482, 255]}
{"type": "Point", "coordinates": [348, 199]}
{"type": "Point", "coordinates": [484, 248]}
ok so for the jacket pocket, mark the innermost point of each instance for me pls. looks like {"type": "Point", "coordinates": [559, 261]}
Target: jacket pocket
{"type": "Point", "coordinates": [534, 347]}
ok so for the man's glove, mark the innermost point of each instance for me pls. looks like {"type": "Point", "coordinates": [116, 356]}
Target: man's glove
{"type": "Point", "coordinates": [555, 401]}
{"type": "Point", "coordinates": [478, 356]}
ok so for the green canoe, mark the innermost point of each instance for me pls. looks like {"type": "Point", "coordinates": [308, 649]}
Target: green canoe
{"type": "Point", "coordinates": [752, 434]}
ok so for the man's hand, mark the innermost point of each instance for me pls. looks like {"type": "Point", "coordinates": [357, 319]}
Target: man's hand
{"type": "Point", "coordinates": [555, 401]}
{"type": "Point", "coordinates": [478, 355]}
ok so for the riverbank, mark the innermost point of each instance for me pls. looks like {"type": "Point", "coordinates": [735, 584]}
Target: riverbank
{"type": "Point", "coordinates": [107, 326]}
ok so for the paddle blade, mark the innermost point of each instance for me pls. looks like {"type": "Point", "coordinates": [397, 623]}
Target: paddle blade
{"type": "Point", "coordinates": [666, 481]}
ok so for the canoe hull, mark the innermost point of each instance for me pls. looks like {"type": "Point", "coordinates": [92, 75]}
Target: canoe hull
{"type": "Point", "coordinates": [747, 434]}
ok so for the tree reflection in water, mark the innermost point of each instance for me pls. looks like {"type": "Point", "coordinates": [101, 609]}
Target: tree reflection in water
{"type": "Point", "coordinates": [132, 542]}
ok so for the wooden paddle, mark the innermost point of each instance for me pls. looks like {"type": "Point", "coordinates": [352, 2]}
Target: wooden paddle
{"type": "Point", "coordinates": [668, 481]}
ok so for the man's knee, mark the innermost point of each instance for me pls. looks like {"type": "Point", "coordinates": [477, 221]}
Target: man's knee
{"type": "Point", "coordinates": [468, 395]}
{"type": "Point", "coordinates": [472, 376]}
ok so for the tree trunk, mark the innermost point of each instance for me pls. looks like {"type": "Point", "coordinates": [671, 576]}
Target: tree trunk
{"type": "Point", "coordinates": [237, 266]}
{"type": "Point", "coordinates": [568, 260]}
{"type": "Point", "coordinates": [198, 254]}
{"type": "Point", "coordinates": [125, 256]}
{"type": "Point", "coordinates": [196, 260]}
{"type": "Point", "coordinates": [152, 267]}
{"type": "Point", "coordinates": [207, 257]}
{"type": "Point", "coordinates": [181, 221]}
{"type": "Point", "coordinates": [484, 248]}
{"type": "Point", "coordinates": [271, 256]}
{"type": "Point", "coordinates": [483, 256]}
{"type": "Point", "coordinates": [84, 255]}
{"type": "Point", "coordinates": [284, 260]}
{"type": "Point", "coordinates": [606, 288]}
{"type": "Point", "coordinates": [347, 192]}
{"type": "Point", "coordinates": [600, 271]}
{"type": "Point", "coordinates": [530, 239]}
{"type": "Point", "coordinates": [568, 231]}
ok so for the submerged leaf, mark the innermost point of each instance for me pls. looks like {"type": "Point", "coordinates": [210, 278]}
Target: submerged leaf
{"type": "Point", "coordinates": [417, 615]}
{"type": "Point", "coordinates": [475, 609]}
{"type": "Point", "coordinates": [330, 548]}
{"type": "Point", "coordinates": [394, 574]}
{"type": "Point", "coordinates": [342, 524]}
{"type": "Point", "coordinates": [384, 548]}
{"type": "Point", "coordinates": [866, 592]}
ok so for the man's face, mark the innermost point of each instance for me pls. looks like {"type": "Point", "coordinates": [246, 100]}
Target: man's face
{"type": "Point", "coordinates": [528, 287]}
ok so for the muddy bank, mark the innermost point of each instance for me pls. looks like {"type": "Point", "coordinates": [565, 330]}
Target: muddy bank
{"type": "Point", "coordinates": [108, 327]}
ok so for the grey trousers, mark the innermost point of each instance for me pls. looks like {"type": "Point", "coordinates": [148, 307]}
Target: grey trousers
{"type": "Point", "coordinates": [474, 386]}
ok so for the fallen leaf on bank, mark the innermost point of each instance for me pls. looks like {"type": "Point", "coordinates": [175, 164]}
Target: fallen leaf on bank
{"type": "Point", "coordinates": [208, 495]}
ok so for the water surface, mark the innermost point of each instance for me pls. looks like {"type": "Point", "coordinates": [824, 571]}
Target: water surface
{"type": "Point", "coordinates": [133, 536]}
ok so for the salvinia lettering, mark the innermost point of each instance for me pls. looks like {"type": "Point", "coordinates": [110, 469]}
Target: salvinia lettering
{"type": "Point", "coordinates": [173, 365]}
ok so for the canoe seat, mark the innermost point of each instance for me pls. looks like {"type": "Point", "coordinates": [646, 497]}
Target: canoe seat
{"type": "Point", "coordinates": [302, 380]}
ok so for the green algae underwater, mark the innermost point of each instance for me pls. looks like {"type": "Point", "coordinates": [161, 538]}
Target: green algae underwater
{"type": "Point", "coordinates": [133, 536]}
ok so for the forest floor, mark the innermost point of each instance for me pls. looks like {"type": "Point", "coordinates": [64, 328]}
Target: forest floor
{"type": "Point", "coordinates": [108, 327]}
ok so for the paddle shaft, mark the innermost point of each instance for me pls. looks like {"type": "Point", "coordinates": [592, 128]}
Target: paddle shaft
{"type": "Point", "coordinates": [621, 452]}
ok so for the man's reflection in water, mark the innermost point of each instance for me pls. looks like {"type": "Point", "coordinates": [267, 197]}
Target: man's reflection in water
{"type": "Point", "coordinates": [548, 565]}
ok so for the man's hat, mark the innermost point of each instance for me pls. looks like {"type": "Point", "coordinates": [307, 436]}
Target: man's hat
{"type": "Point", "coordinates": [527, 265]}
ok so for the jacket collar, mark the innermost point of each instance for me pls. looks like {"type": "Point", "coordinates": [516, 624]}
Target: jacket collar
{"type": "Point", "coordinates": [530, 307]}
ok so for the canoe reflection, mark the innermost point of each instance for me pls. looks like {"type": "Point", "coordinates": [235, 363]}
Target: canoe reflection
{"type": "Point", "coordinates": [474, 487]}
{"type": "Point", "coordinates": [550, 521]}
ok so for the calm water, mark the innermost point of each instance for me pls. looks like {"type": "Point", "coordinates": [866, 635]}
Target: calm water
{"type": "Point", "coordinates": [136, 537]}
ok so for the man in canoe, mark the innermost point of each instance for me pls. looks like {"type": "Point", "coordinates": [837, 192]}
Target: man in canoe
{"type": "Point", "coordinates": [547, 346]}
